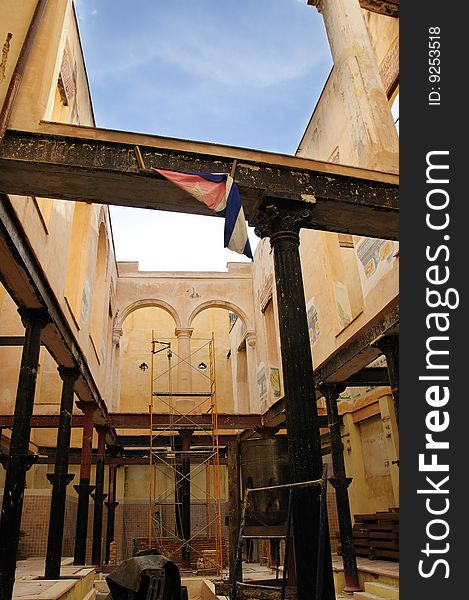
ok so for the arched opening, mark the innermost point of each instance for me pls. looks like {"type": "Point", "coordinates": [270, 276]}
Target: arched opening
{"type": "Point", "coordinates": [136, 356]}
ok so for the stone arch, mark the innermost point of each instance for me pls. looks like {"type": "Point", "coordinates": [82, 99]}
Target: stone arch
{"type": "Point", "coordinates": [220, 304]}
{"type": "Point", "coordinates": [146, 303]}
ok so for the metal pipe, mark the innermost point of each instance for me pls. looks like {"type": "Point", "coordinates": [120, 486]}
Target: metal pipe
{"type": "Point", "coordinates": [20, 67]}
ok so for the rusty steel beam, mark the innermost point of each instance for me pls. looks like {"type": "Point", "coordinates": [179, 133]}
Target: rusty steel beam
{"type": "Point", "coordinates": [143, 441]}
{"type": "Point", "coordinates": [359, 351]}
{"type": "Point", "coordinates": [129, 457]}
{"type": "Point", "coordinates": [13, 340]}
{"type": "Point", "coordinates": [72, 162]}
{"type": "Point", "coordinates": [22, 276]}
{"type": "Point", "coordinates": [175, 422]}
{"type": "Point", "coordinates": [369, 377]}
{"type": "Point", "coordinates": [142, 421]}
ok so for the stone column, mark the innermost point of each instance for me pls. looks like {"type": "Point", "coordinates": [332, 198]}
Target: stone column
{"type": "Point", "coordinates": [111, 505]}
{"type": "Point", "coordinates": [366, 107]}
{"type": "Point", "coordinates": [252, 371]}
{"type": "Point", "coordinates": [389, 346]}
{"type": "Point", "coordinates": [61, 477]}
{"type": "Point", "coordinates": [281, 220]}
{"type": "Point", "coordinates": [99, 497]}
{"type": "Point", "coordinates": [341, 482]}
{"type": "Point", "coordinates": [186, 435]}
{"type": "Point", "coordinates": [184, 369]}
{"type": "Point", "coordinates": [84, 488]}
{"type": "Point", "coordinates": [184, 372]}
{"type": "Point", "coordinates": [19, 461]}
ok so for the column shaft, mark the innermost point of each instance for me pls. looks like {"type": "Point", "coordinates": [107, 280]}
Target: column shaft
{"type": "Point", "coordinates": [340, 481]}
{"type": "Point", "coordinates": [84, 489]}
{"type": "Point", "coordinates": [281, 221]}
{"type": "Point", "coordinates": [184, 371]}
{"type": "Point", "coordinates": [99, 497]}
{"type": "Point", "coordinates": [235, 503]}
{"type": "Point", "coordinates": [61, 478]}
{"type": "Point", "coordinates": [389, 346]}
{"type": "Point", "coordinates": [253, 393]}
{"type": "Point", "coordinates": [374, 136]}
{"type": "Point", "coordinates": [186, 497]}
{"type": "Point", "coordinates": [19, 461]}
{"type": "Point", "coordinates": [111, 504]}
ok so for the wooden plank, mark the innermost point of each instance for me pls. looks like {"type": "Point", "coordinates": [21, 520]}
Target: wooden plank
{"type": "Point", "coordinates": [377, 527]}
{"type": "Point", "coordinates": [386, 553]}
{"type": "Point", "coordinates": [377, 517]}
{"type": "Point", "coordinates": [253, 592]}
{"type": "Point", "coordinates": [383, 535]}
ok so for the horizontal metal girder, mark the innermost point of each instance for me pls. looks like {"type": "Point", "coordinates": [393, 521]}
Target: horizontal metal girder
{"type": "Point", "coordinates": [130, 457]}
{"type": "Point", "coordinates": [175, 422]}
{"type": "Point", "coordinates": [359, 351]}
{"type": "Point", "coordinates": [24, 279]}
{"type": "Point", "coordinates": [82, 163]}
{"type": "Point", "coordinates": [143, 441]}
{"type": "Point", "coordinates": [142, 421]}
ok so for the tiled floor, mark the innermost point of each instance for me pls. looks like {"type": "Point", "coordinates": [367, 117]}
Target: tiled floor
{"type": "Point", "coordinates": [29, 584]}
{"type": "Point", "coordinates": [380, 567]}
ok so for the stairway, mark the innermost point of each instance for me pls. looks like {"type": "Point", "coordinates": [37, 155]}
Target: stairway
{"type": "Point", "coordinates": [101, 588]}
{"type": "Point", "coordinates": [377, 591]}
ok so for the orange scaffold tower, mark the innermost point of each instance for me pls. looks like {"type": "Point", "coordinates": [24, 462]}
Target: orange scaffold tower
{"type": "Point", "coordinates": [167, 476]}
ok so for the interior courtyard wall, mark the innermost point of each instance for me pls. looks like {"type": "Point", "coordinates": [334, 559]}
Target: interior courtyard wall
{"type": "Point", "coordinates": [348, 280]}
{"type": "Point", "coordinates": [48, 224]}
{"type": "Point", "coordinates": [268, 358]}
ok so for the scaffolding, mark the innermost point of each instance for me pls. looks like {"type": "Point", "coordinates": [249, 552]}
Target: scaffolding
{"type": "Point", "coordinates": [166, 459]}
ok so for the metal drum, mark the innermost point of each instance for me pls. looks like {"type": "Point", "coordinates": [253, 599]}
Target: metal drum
{"type": "Point", "coordinates": [264, 462]}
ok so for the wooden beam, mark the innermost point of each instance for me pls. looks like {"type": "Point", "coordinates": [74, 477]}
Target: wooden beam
{"type": "Point", "coordinates": [82, 163]}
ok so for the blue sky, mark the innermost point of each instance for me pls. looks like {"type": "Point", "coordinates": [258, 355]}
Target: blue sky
{"type": "Point", "coordinates": [243, 73]}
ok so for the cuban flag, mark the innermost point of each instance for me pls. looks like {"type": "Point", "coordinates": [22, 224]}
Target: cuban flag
{"type": "Point", "coordinates": [219, 192]}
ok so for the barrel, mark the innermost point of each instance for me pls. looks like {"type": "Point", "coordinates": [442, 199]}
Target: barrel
{"type": "Point", "coordinates": [264, 462]}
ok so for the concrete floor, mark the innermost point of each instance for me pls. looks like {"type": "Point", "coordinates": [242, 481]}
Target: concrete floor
{"type": "Point", "coordinates": [74, 583]}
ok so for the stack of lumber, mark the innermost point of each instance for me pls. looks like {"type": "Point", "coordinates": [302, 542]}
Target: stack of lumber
{"type": "Point", "coordinates": [376, 536]}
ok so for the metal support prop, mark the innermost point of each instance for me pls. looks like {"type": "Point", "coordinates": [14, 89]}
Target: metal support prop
{"type": "Point", "coordinates": [235, 502]}
{"type": "Point", "coordinates": [186, 497]}
{"type": "Point", "coordinates": [19, 461]}
{"type": "Point", "coordinates": [111, 505]}
{"type": "Point", "coordinates": [61, 477]}
{"type": "Point", "coordinates": [341, 482]}
{"type": "Point", "coordinates": [281, 220]}
{"type": "Point", "coordinates": [99, 497]}
{"type": "Point", "coordinates": [84, 488]}
{"type": "Point", "coordinates": [237, 570]}
{"type": "Point", "coordinates": [389, 346]}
